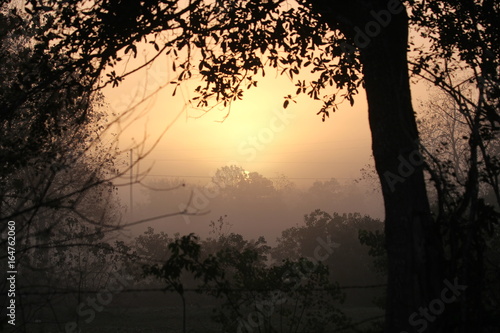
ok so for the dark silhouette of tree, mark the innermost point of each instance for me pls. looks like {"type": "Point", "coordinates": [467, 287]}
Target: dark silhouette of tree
{"type": "Point", "coordinates": [56, 174]}
{"type": "Point", "coordinates": [37, 106]}
{"type": "Point", "coordinates": [333, 196]}
{"type": "Point", "coordinates": [462, 155]}
{"type": "Point", "coordinates": [302, 241]}
{"type": "Point", "coordinates": [184, 259]}
{"type": "Point", "coordinates": [236, 183]}
{"type": "Point", "coordinates": [349, 263]}
{"type": "Point", "coordinates": [465, 70]}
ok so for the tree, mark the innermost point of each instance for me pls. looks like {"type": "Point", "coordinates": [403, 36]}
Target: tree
{"type": "Point", "coordinates": [349, 264]}
{"type": "Point", "coordinates": [237, 183]}
{"type": "Point", "coordinates": [56, 175]}
{"type": "Point", "coordinates": [295, 294]}
{"type": "Point", "coordinates": [333, 196]}
{"type": "Point", "coordinates": [301, 241]}
{"type": "Point", "coordinates": [184, 259]}
{"type": "Point", "coordinates": [465, 71]}
{"type": "Point", "coordinates": [53, 178]}
{"type": "Point", "coordinates": [463, 167]}
{"type": "Point", "coordinates": [348, 44]}
{"type": "Point", "coordinates": [38, 106]}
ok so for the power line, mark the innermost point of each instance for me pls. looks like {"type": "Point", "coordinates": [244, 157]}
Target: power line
{"type": "Point", "coordinates": [210, 177]}
{"type": "Point", "coordinates": [275, 146]}
{"type": "Point", "coordinates": [222, 159]}
{"type": "Point", "coordinates": [163, 289]}
{"type": "Point", "coordinates": [131, 184]}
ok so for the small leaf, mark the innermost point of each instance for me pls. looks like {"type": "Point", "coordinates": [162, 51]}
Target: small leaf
{"type": "Point", "coordinates": [132, 48]}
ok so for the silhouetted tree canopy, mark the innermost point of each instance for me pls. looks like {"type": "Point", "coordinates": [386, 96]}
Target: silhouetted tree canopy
{"type": "Point", "coordinates": [302, 241]}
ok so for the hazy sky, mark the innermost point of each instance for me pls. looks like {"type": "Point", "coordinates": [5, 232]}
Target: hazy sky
{"type": "Point", "coordinates": [258, 134]}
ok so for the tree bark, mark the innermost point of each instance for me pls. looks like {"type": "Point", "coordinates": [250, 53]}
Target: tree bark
{"type": "Point", "coordinates": [413, 246]}
{"type": "Point", "coordinates": [414, 277]}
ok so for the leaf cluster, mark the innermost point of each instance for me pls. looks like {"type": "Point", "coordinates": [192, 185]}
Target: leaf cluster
{"type": "Point", "coordinates": [235, 41]}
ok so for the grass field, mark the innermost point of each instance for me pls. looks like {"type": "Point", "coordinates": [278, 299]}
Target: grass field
{"type": "Point", "coordinates": [160, 312]}
{"type": "Point", "coordinates": [169, 320]}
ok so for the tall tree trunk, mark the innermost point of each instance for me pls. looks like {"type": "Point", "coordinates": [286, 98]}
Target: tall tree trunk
{"type": "Point", "coordinates": [414, 256]}
{"type": "Point", "coordinates": [413, 246]}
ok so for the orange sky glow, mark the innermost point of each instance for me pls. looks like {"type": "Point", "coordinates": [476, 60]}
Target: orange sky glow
{"type": "Point", "coordinates": [258, 133]}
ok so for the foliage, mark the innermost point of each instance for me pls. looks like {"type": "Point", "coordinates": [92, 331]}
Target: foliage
{"type": "Point", "coordinates": [149, 248]}
{"type": "Point", "coordinates": [283, 184]}
{"type": "Point", "coordinates": [52, 149]}
{"type": "Point", "coordinates": [184, 257]}
{"type": "Point", "coordinates": [152, 247]}
{"type": "Point", "coordinates": [76, 259]}
{"type": "Point", "coordinates": [235, 44]}
{"type": "Point", "coordinates": [376, 241]}
{"type": "Point", "coordinates": [294, 295]}
{"type": "Point", "coordinates": [41, 107]}
{"type": "Point", "coordinates": [463, 161]}
{"type": "Point", "coordinates": [55, 174]}
{"type": "Point", "coordinates": [319, 228]}
{"type": "Point", "coordinates": [222, 240]}
{"type": "Point", "coordinates": [333, 195]}
{"type": "Point", "coordinates": [237, 183]}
